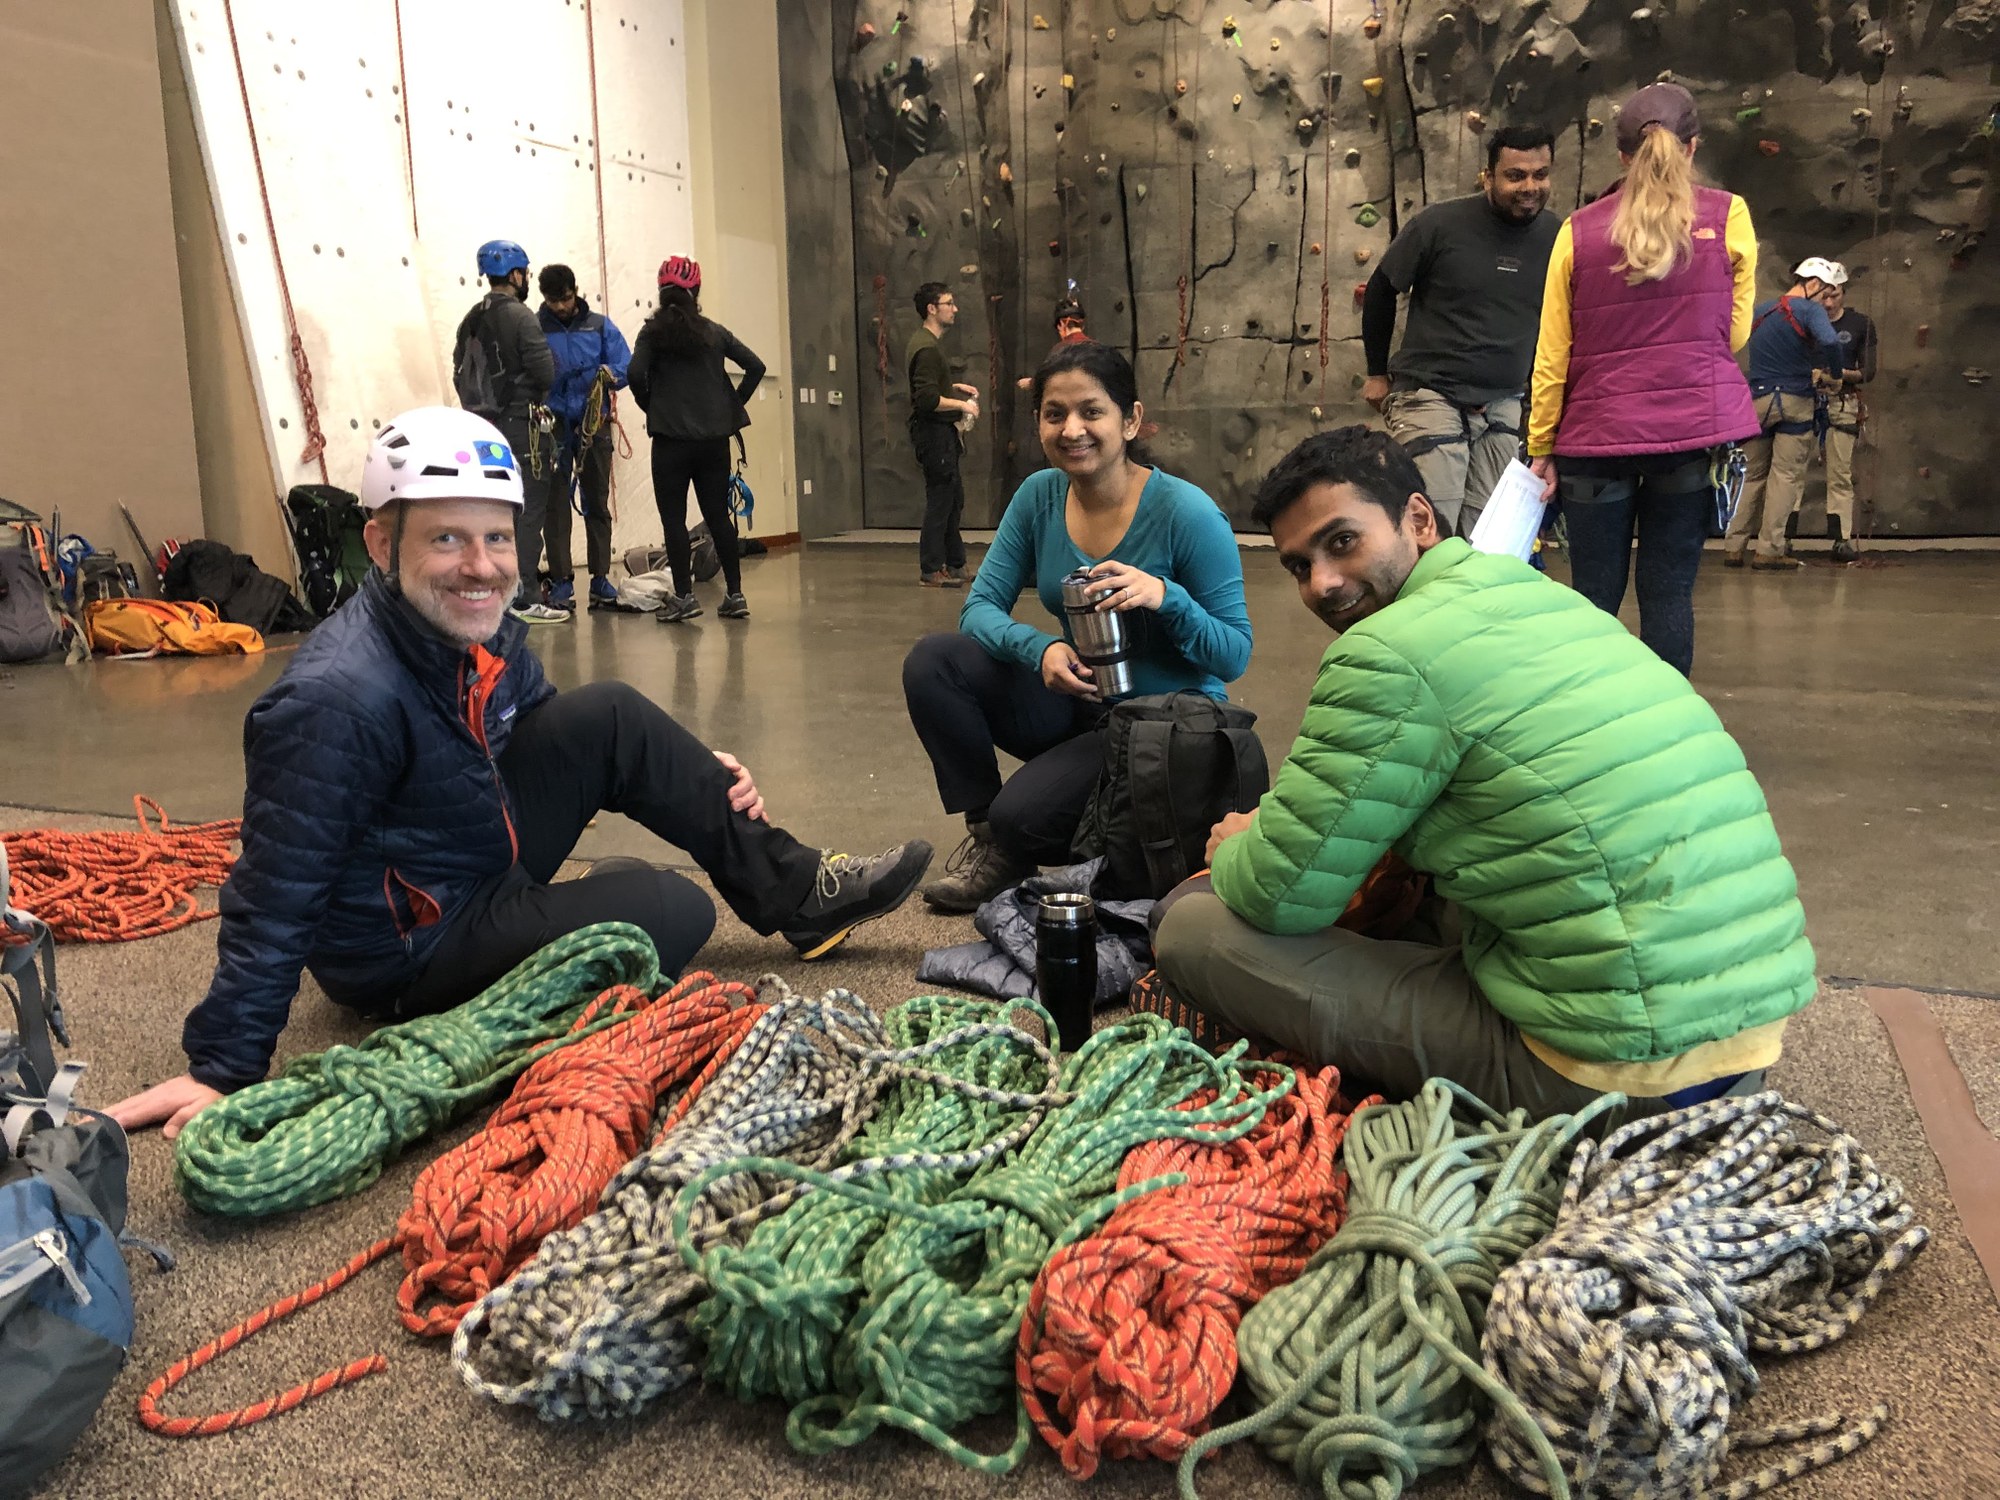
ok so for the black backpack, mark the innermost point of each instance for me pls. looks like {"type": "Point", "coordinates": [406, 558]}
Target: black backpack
{"type": "Point", "coordinates": [1174, 765]}
{"type": "Point", "coordinates": [326, 524]}
{"type": "Point", "coordinates": [242, 592]}
{"type": "Point", "coordinates": [478, 373]}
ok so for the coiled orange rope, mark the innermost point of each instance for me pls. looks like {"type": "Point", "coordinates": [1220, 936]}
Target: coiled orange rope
{"type": "Point", "coordinates": [1131, 1333]}
{"type": "Point", "coordinates": [478, 1213]}
{"type": "Point", "coordinates": [110, 886]}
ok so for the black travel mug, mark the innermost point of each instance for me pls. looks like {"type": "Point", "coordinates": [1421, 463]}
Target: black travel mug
{"type": "Point", "coordinates": [1066, 964]}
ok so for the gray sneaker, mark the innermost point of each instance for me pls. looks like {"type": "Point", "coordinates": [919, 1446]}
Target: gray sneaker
{"type": "Point", "coordinates": [540, 614]}
{"type": "Point", "coordinates": [680, 608]}
{"type": "Point", "coordinates": [977, 871]}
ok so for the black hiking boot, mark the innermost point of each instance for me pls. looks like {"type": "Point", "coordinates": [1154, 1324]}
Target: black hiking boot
{"type": "Point", "coordinates": [852, 890]}
{"type": "Point", "coordinates": [977, 871]}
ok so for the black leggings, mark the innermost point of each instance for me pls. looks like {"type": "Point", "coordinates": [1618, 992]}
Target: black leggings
{"type": "Point", "coordinates": [965, 705]}
{"type": "Point", "coordinates": [608, 748]}
{"type": "Point", "coordinates": [705, 463]}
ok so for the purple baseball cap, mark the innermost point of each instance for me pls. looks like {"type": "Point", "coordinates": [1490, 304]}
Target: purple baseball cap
{"type": "Point", "coordinates": [1666, 104]}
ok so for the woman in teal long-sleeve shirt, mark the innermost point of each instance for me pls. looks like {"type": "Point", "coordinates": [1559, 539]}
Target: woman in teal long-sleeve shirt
{"type": "Point", "coordinates": [1158, 543]}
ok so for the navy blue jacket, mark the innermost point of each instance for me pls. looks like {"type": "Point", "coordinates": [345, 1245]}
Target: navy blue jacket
{"type": "Point", "coordinates": [373, 809]}
{"type": "Point", "coordinates": [583, 344]}
{"type": "Point", "coordinates": [1785, 350]}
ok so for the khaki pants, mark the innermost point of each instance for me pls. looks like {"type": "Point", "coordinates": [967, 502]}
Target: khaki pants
{"type": "Point", "coordinates": [1840, 462]}
{"type": "Point", "coordinates": [1776, 481]}
{"type": "Point", "coordinates": [1461, 451]}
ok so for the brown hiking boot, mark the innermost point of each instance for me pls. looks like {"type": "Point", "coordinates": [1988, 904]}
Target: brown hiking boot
{"type": "Point", "coordinates": [977, 871]}
{"type": "Point", "coordinates": [1779, 564]}
{"type": "Point", "coordinates": [940, 580]}
{"type": "Point", "coordinates": [1731, 559]}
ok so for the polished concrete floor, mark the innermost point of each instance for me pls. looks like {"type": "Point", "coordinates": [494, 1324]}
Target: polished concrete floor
{"type": "Point", "coordinates": [1867, 699]}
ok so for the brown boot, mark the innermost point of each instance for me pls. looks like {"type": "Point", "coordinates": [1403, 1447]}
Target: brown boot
{"type": "Point", "coordinates": [1779, 563]}
{"type": "Point", "coordinates": [1731, 559]}
{"type": "Point", "coordinates": [977, 871]}
{"type": "Point", "coordinates": [940, 580]}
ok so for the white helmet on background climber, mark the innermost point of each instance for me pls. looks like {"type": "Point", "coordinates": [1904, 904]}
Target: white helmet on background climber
{"type": "Point", "coordinates": [1832, 272]}
{"type": "Point", "coordinates": [439, 453]}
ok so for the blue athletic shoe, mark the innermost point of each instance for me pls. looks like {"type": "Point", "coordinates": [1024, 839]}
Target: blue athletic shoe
{"type": "Point", "coordinates": [562, 595]}
{"type": "Point", "coordinates": [601, 591]}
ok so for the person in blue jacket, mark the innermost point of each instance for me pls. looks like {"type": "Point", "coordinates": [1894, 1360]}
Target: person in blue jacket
{"type": "Point", "coordinates": [1167, 556]}
{"type": "Point", "coordinates": [588, 349]}
{"type": "Point", "coordinates": [413, 782]}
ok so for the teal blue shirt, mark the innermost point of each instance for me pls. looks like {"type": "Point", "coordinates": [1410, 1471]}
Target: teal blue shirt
{"type": "Point", "coordinates": [1199, 637]}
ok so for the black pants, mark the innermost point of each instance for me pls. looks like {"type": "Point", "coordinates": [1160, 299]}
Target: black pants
{"type": "Point", "coordinates": [938, 447]}
{"type": "Point", "coordinates": [608, 748]}
{"type": "Point", "coordinates": [965, 705]}
{"type": "Point", "coordinates": [591, 485]}
{"type": "Point", "coordinates": [1671, 511]}
{"type": "Point", "coordinates": [704, 462]}
{"type": "Point", "coordinates": [534, 500]}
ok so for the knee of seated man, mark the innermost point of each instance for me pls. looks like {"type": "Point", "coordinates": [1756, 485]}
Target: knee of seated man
{"type": "Point", "coordinates": [669, 908]}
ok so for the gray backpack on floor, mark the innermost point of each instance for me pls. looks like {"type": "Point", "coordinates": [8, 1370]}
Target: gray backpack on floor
{"type": "Point", "coordinates": [65, 1298]}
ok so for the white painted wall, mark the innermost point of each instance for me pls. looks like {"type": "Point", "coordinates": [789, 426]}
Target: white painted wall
{"type": "Point", "coordinates": [377, 242]}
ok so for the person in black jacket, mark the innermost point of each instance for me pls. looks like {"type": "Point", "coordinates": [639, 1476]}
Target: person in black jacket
{"type": "Point", "coordinates": [413, 782]}
{"type": "Point", "coordinates": [692, 411]}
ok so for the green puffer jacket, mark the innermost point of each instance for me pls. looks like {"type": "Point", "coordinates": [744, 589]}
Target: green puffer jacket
{"type": "Point", "coordinates": [1623, 891]}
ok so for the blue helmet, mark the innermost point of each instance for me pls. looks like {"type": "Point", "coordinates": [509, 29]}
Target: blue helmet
{"type": "Point", "coordinates": [498, 257]}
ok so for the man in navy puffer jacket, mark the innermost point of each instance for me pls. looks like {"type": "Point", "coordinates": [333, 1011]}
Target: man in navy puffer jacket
{"type": "Point", "coordinates": [413, 783]}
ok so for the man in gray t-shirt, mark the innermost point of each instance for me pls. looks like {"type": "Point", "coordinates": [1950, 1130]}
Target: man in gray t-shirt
{"type": "Point", "coordinates": [1473, 269]}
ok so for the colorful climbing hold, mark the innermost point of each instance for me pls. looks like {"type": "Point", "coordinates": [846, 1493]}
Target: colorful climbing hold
{"type": "Point", "coordinates": [1228, 28]}
{"type": "Point", "coordinates": [1353, 157]}
{"type": "Point", "coordinates": [863, 35]}
{"type": "Point", "coordinates": [1360, 292]}
{"type": "Point", "coordinates": [1474, 121]}
{"type": "Point", "coordinates": [1055, 247]}
{"type": "Point", "coordinates": [1369, 216]}
{"type": "Point", "coordinates": [1236, 101]}
{"type": "Point", "coordinates": [1315, 247]}
{"type": "Point", "coordinates": [1923, 334]}
{"type": "Point", "coordinates": [1769, 148]}
{"type": "Point", "coordinates": [1372, 87]}
{"type": "Point", "coordinates": [1041, 23]}
{"type": "Point", "coordinates": [1372, 27]}
{"type": "Point", "coordinates": [1745, 116]}
{"type": "Point", "coordinates": [1361, 255]}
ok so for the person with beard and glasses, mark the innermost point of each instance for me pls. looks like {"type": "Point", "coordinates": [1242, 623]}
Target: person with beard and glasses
{"type": "Point", "coordinates": [413, 784]}
{"type": "Point", "coordinates": [590, 353]}
{"type": "Point", "coordinates": [1168, 562]}
{"type": "Point", "coordinates": [1610, 908]}
{"type": "Point", "coordinates": [1473, 269]}
{"type": "Point", "coordinates": [500, 354]}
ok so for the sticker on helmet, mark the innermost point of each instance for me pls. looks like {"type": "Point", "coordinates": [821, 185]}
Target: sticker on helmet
{"type": "Point", "coordinates": [498, 454]}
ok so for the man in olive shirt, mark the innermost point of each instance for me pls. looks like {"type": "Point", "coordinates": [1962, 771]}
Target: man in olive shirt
{"type": "Point", "coordinates": [1473, 268]}
{"type": "Point", "coordinates": [1846, 409]}
{"type": "Point", "coordinates": [934, 418]}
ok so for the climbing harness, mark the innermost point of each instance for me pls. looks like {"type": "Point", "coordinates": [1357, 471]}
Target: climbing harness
{"type": "Point", "coordinates": [541, 441]}
{"type": "Point", "coordinates": [110, 886]}
{"type": "Point", "coordinates": [931, 1345]}
{"type": "Point", "coordinates": [326, 1126]}
{"type": "Point", "coordinates": [1728, 469]}
{"type": "Point", "coordinates": [1365, 1368]}
{"type": "Point", "coordinates": [779, 1301]}
{"type": "Point", "coordinates": [1685, 1244]}
{"type": "Point", "coordinates": [1132, 1332]}
{"type": "Point", "coordinates": [596, 1324]}
{"type": "Point", "coordinates": [478, 1212]}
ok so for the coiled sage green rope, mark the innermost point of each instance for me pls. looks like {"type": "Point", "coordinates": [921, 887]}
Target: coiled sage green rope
{"type": "Point", "coordinates": [1686, 1243]}
{"type": "Point", "coordinates": [596, 1323]}
{"type": "Point", "coordinates": [778, 1303]}
{"type": "Point", "coordinates": [326, 1126]}
{"type": "Point", "coordinates": [1364, 1367]}
{"type": "Point", "coordinates": [931, 1344]}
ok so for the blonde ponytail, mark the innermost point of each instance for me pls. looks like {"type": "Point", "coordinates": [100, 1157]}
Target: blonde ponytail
{"type": "Point", "coordinates": [1654, 225]}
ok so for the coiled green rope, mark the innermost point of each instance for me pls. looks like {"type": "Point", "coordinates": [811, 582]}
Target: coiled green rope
{"type": "Point", "coordinates": [326, 1126]}
{"type": "Point", "coordinates": [778, 1303]}
{"type": "Point", "coordinates": [1686, 1243]}
{"type": "Point", "coordinates": [931, 1345]}
{"type": "Point", "coordinates": [1365, 1366]}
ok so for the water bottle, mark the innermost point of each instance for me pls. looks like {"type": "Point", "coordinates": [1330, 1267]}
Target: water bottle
{"type": "Point", "coordinates": [1066, 964]}
{"type": "Point", "coordinates": [1101, 639]}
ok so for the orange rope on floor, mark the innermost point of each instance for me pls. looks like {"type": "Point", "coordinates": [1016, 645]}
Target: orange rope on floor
{"type": "Point", "coordinates": [110, 886]}
{"type": "Point", "coordinates": [478, 1213]}
{"type": "Point", "coordinates": [1132, 1331]}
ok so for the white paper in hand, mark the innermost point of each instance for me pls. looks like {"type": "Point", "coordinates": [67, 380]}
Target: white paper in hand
{"type": "Point", "coordinates": [1513, 515]}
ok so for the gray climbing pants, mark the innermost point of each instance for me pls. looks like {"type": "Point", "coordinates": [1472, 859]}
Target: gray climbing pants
{"type": "Point", "coordinates": [1460, 450]}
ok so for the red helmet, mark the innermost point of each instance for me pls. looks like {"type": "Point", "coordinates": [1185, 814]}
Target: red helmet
{"type": "Point", "coordinates": [678, 270]}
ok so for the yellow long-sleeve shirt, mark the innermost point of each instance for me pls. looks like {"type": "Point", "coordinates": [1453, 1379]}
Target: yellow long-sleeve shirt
{"type": "Point", "coordinates": [1551, 378]}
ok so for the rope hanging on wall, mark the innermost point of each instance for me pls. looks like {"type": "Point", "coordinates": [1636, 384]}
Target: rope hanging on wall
{"type": "Point", "coordinates": [1685, 1244]}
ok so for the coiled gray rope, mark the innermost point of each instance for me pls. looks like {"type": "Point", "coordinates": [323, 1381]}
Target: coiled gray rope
{"type": "Point", "coordinates": [1685, 1243]}
{"type": "Point", "coordinates": [596, 1323]}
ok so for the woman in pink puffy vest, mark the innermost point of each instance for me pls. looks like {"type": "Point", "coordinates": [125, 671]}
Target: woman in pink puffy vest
{"type": "Point", "coordinates": [1636, 388]}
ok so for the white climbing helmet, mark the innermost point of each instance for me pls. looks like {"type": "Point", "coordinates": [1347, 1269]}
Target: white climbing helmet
{"type": "Point", "coordinates": [439, 453]}
{"type": "Point", "coordinates": [1832, 272]}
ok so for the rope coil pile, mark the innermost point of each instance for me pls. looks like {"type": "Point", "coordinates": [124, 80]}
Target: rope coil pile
{"type": "Point", "coordinates": [1685, 1244]}
{"type": "Point", "coordinates": [111, 886]}
{"type": "Point", "coordinates": [778, 1302]}
{"type": "Point", "coordinates": [931, 1345]}
{"type": "Point", "coordinates": [596, 1323]}
{"type": "Point", "coordinates": [1365, 1366]}
{"type": "Point", "coordinates": [326, 1126]}
{"type": "Point", "coordinates": [1132, 1331]}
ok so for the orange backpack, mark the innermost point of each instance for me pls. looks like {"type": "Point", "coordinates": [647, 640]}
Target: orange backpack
{"type": "Point", "coordinates": [155, 627]}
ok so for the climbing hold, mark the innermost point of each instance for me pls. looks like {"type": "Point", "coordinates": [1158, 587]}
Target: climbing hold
{"type": "Point", "coordinates": [881, 171]}
{"type": "Point", "coordinates": [1315, 247]}
{"type": "Point", "coordinates": [1139, 191]}
{"type": "Point", "coordinates": [1055, 247]}
{"type": "Point", "coordinates": [1372, 27]}
{"type": "Point", "coordinates": [1975, 376]}
{"type": "Point", "coordinates": [1423, 59]}
{"type": "Point", "coordinates": [978, 78]}
{"type": "Point", "coordinates": [1306, 124]}
{"type": "Point", "coordinates": [1069, 80]}
{"type": "Point", "coordinates": [1923, 471]}
{"type": "Point", "coordinates": [1317, 413]}
{"type": "Point", "coordinates": [1923, 334]}
{"type": "Point", "coordinates": [906, 106]}
{"type": "Point", "coordinates": [1353, 157]}
{"type": "Point", "coordinates": [1041, 89]}
{"type": "Point", "coordinates": [1236, 101]}
{"type": "Point", "coordinates": [1041, 23]}
{"type": "Point", "coordinates": [1114, 106]}
{"type": "Point", "coordinates": [965, 217]}
{"type": "Point", "coordinates": [1270, 247]}
{"type": "Point", "coordinates": [1361, 254]}
{"type": "Point", "coordinates": [889, 69]}
{"type": "Point", "coordinates": [1474, 121]}
{"type": "Point", "coordinates": [1006, 172]}
{"type": "Point", "coordinates": [1745, 116]}
{"type": "Point", "coordinates": [1111, 33]}
{"type": "Point", "coordinates": [1595, 128]}
{"type": "Point", "coordinates": [1372, 87]}
{"type": "Point", "coordinates": [1275, 44]}
{"type": "Point", "coordinates": [1360, 292]}
{"type": "Point", "coordinates": [1643, 14]}
{"type": "Point", "coordinates": [1059, 127]}
{"type": "Point", "coordinates": [1369, 216]}
{"type": "Point", "coordinates": [1905, 105]}
{"type": "Point", "coordinates": [1104, 174]}
{"type": "Point", "coordinates": [1769, 148]}
{"type": "Point", "coordinates": [1862, 116]}
{"type": "Point", "coordinates": [1228, 28]}
{"type": "Point", "coordinates": [1180, 85]}
{"type": "Point", "coordinates": [1946, 234]}
{"type": "Point", "coordinates": [1665, 75]}
{"type": "Point", "coordinates": [864, 34]}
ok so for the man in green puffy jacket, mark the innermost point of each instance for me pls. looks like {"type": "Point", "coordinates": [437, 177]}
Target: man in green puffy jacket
{"type": "Point", "coordinates": [1611, 908]}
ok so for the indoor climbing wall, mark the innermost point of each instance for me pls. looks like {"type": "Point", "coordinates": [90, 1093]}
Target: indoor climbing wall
{"type": "Point", "coordinates": [1216, 180]}
{"type": "Point", "coordinates": [358, 155]}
